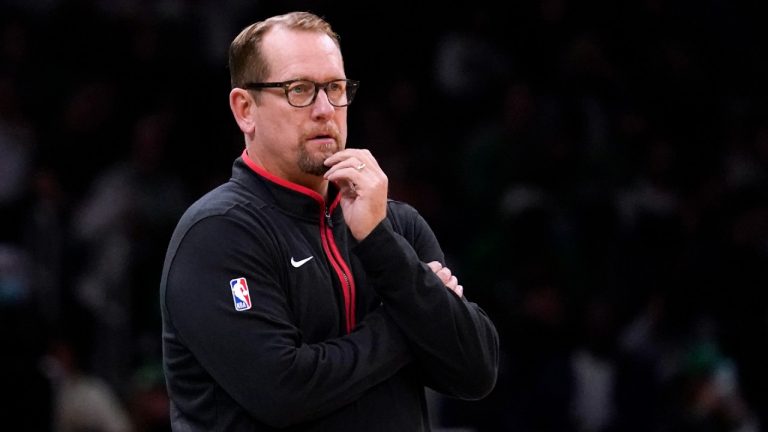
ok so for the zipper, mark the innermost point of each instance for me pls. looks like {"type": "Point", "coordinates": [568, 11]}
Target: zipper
{"type": "Point", "coordinates": [328, 221]}
{"type": "Point", "coordinates": [338, 264]}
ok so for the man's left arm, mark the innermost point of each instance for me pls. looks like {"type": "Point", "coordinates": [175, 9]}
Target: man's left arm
{"type": "Point", "coordinates": [453, 340]}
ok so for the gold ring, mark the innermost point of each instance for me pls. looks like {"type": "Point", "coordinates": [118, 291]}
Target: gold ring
{"type": "Point", "coordinates": [360, 167]}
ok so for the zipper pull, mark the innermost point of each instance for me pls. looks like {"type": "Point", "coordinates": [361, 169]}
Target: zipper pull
{"type": "Point", "coordinates": [328, 218]}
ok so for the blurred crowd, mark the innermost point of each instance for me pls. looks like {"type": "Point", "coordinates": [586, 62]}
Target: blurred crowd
{"type": "Point", "coordinates": [596, 171]}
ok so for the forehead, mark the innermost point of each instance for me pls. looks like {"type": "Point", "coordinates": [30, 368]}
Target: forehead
{"type": "Point", "coordinates": [295, 54]}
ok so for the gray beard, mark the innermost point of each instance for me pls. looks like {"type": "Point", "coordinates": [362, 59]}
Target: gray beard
{"type": "Point", "coordinates": [311, 166]}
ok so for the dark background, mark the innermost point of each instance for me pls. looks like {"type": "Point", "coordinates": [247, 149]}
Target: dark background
{"type": "Point", "coordinates": [596, 172]}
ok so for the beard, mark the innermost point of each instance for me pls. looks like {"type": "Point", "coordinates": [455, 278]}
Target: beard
{"type": "Point", "coordinates": [313, 164]}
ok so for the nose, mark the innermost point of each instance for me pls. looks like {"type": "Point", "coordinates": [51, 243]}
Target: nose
{"type": "Point", "coordinates": [322, 107]}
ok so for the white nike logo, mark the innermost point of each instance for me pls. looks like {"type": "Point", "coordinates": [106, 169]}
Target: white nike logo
{"type": "Point", "coordinates": [298, 264]}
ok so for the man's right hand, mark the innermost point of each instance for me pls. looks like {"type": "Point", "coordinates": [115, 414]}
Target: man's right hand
{"type": "Point", "coordinates": [363, 187]}
{"type": "Point", "coordinates": [450, 281]}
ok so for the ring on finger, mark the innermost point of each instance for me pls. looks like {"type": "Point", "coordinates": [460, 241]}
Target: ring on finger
{"type": "Point", "coordinates": [360, 167]}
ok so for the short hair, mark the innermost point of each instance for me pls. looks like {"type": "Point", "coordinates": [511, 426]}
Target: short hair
{"type": "Point", "coordinates": [246, 59]}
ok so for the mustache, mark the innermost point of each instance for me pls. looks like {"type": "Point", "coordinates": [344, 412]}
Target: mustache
{"type": "Point", "coordinates": [330, 131]}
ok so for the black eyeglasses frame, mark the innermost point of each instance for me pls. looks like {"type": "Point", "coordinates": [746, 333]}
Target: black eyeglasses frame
{"type": "Point", "coordinates": [351, 86]}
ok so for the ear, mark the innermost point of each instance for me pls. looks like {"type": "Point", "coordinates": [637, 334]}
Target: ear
{"type": "Point", "coordinates": [242, 105]}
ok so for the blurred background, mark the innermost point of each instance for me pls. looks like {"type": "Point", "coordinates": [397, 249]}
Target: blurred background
{"type": "Point", "coordinates": [596, 171]}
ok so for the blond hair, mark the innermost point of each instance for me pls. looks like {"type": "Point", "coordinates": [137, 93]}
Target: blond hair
{"type": "Point", "coordinates": [246, 59]}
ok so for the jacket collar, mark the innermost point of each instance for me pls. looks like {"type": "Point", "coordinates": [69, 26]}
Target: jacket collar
{"type": "Point", "coordinates": [290, 197]}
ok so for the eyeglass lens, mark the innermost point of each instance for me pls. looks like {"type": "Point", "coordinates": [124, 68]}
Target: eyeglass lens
{"type": "Point", "coordinates": [302, 93]}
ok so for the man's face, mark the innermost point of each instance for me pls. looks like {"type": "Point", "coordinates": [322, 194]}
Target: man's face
{"type": "Point", "coordinates": [292, 142]}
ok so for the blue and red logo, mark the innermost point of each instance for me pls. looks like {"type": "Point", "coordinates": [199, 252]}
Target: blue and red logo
{"type": "Point", "coordinates": [240, 294]}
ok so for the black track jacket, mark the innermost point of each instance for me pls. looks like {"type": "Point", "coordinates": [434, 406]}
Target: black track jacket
{"type": "Point", "coordinates": [276, 318]}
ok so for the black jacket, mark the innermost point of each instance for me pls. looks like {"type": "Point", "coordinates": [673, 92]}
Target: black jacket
{"type": "Point", "coordinates": [287, 357]}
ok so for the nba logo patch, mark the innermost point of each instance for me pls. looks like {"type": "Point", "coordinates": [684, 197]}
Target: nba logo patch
{"type": "Point", "coordinates": [240, 294]}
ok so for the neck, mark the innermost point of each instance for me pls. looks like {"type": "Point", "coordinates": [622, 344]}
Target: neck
{"type": "Point", "coordinates": [317, 184]}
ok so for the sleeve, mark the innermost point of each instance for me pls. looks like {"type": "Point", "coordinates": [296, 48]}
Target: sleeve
{"type": "Point", "coordinates": [257, 355]}
{"type": "Point", "coordinates": [453, 340]}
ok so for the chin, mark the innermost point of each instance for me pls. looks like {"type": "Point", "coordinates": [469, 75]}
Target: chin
{"type": "Point", "coordinates": [313, 165]}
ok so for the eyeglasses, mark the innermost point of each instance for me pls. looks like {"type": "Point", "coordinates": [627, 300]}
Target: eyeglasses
{"type": "Point", "coordinates": [302, 93]}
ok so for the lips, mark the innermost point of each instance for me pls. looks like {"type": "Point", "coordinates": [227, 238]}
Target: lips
{"type": "Point", "coordinates": [320, 137]}
{"type": "Point", "coordinates": [324, 137]}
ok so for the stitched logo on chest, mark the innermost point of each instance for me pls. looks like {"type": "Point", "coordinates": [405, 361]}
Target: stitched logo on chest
{"type": "Point", "coordinates": [298, 264]}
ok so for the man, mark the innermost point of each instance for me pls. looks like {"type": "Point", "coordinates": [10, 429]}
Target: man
{"type": "Point", "coordinates": [296, 295]}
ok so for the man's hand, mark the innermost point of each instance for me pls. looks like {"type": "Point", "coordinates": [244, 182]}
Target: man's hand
{"type": "Point", "coordinates": [450, 281]}
{"type": "Point", "coordinates": [363, 187]}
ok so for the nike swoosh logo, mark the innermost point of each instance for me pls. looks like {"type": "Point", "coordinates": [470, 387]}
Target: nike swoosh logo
{"type": "Point", "coordinates": [298, 264]}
